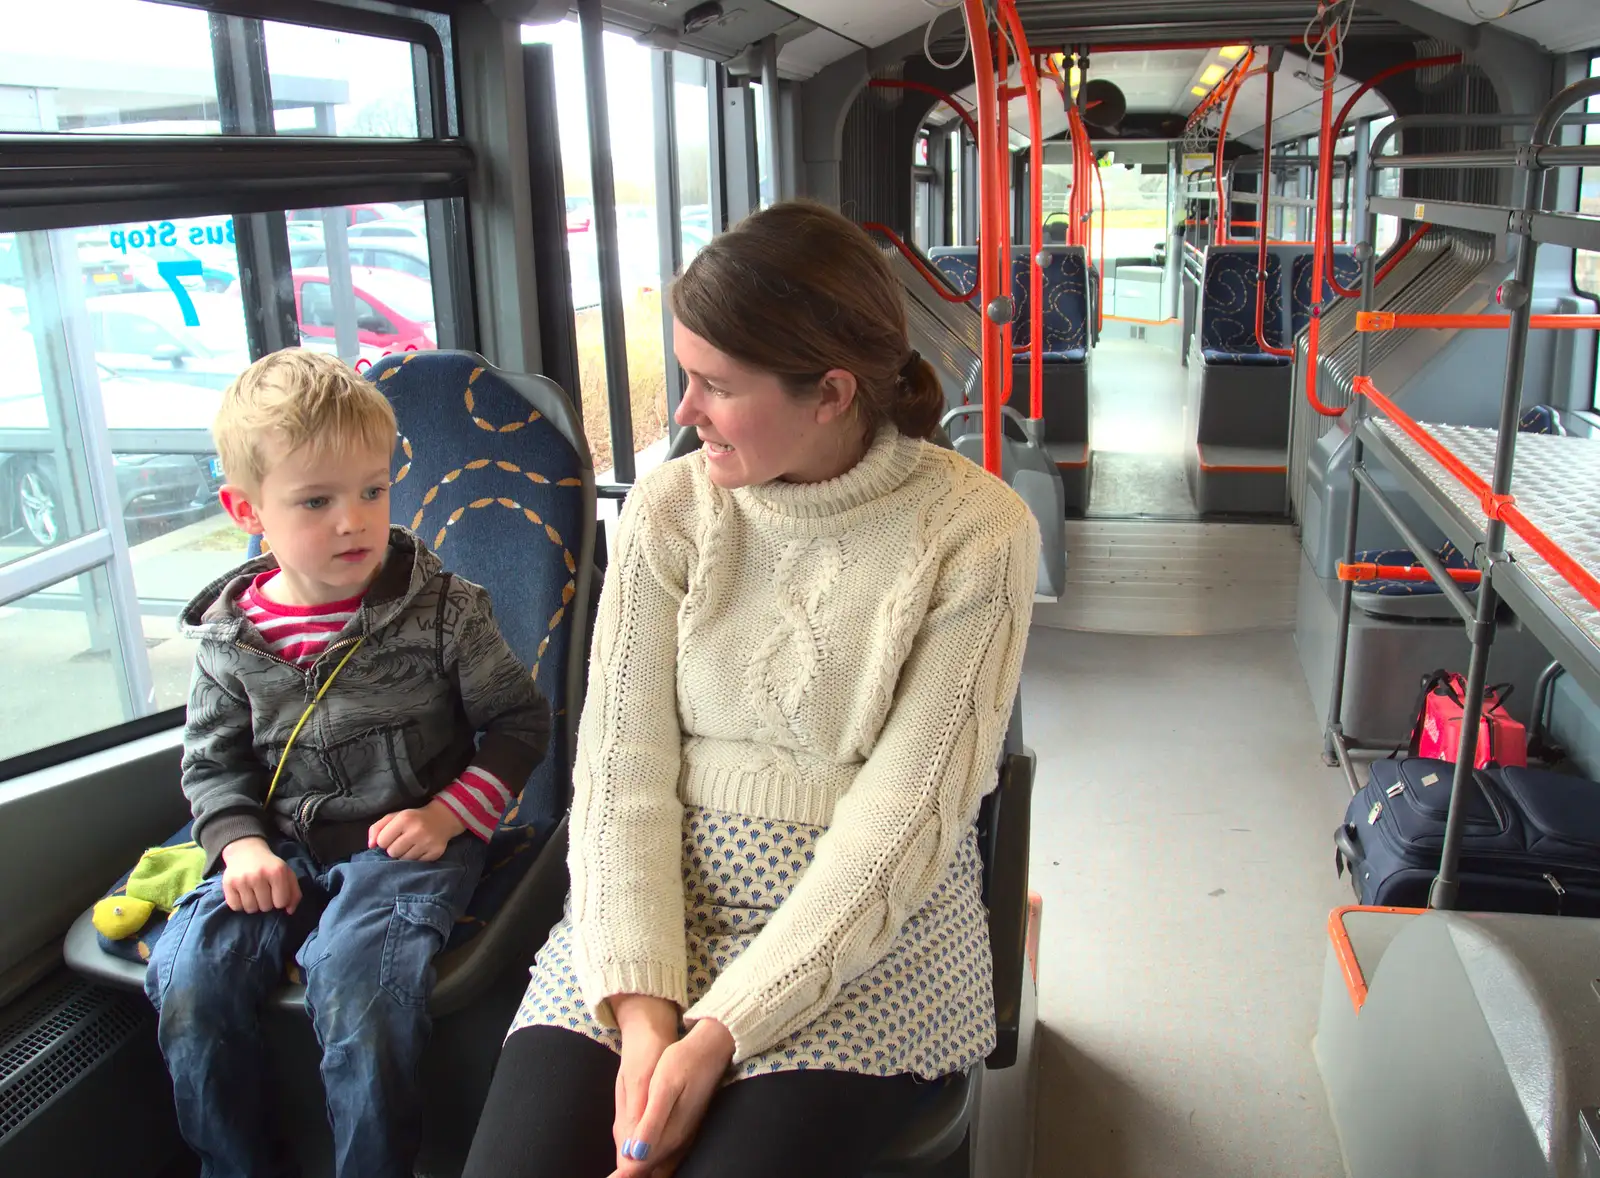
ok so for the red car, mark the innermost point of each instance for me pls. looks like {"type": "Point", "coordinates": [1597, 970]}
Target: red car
{"type": "Point", "coordinates": [394, 311]}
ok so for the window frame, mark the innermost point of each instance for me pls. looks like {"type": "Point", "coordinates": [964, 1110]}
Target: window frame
{"type": "Point", "coordinates": [56, 181]}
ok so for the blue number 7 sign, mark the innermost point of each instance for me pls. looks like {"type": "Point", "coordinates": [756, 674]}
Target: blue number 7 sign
{"type": "Point", "coordinates": [170, 273]}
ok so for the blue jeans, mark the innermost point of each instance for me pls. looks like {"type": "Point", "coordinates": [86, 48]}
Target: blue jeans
{"type": "Point", "coordinates": [366, 931]}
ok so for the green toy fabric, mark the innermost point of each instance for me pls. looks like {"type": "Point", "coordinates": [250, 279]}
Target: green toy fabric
{"type": "Point", "coordinates": [162, 877]}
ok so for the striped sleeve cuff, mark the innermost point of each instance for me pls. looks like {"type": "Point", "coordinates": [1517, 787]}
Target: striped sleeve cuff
{"type": "Point", "coordinates": [477, 798]}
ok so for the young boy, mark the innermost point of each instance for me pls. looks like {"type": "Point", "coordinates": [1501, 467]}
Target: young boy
{"type": "Point", "coordinates": [369, 846]}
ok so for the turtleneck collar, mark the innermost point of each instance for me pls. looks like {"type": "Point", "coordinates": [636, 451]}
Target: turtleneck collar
{"type": "Point", "coordinates": [887, 464]}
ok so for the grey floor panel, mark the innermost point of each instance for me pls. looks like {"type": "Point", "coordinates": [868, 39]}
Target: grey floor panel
{"type": "Point", "coordinates": [1182, 846]}
{"type": "Point", "coordinates": [1145, 577]}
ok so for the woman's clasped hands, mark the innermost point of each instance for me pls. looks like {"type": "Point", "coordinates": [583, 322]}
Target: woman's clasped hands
{"type": "Point", "coordinates": [664, 1084]}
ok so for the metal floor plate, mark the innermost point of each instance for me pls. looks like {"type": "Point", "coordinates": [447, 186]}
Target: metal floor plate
{"type": "Point", "coordinates": [1556, 481]}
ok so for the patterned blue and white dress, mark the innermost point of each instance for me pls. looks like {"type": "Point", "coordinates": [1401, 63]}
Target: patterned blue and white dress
{"type": "Point", "coordinates": [927, 1007]}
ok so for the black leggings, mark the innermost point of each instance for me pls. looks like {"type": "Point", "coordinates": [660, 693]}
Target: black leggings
{"type": "Point", "coordinates": [552, 1102]}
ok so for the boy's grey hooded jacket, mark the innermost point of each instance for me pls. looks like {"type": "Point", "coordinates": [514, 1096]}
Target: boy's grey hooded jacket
{"type": "Point", "coordinates": [432, 690]}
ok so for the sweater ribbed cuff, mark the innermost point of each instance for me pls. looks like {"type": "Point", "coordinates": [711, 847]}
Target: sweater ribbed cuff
{"type": "Point", "coordinates": [653, 979]}
{"type": "Point", "coordinates": [754, 1030]}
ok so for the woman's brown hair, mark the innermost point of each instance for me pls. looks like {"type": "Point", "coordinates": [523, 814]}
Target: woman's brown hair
{"type": "Point", "coordinates": [798, 290]}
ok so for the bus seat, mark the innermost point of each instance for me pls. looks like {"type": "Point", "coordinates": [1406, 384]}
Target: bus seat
{"type": "Point", "coordinates": [1033, 472]}
{"type": "Point", "coordinates": [1345, 268]}
{"type": "Point", "coordinates": [1228, 309]}
{"type": "Point", "coordinates": [947, 1123]}
{"type": "Point", "coordinates": [1069, 286]}
{"type": "Point", "coordinates": [482, 456]}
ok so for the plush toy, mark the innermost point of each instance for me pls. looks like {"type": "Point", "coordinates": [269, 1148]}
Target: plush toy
{"type": "Point", "coordinates": [163, 876]}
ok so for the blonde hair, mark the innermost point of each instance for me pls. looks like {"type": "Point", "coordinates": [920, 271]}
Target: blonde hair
{"type": "Point", "coordinates": [297, 397]}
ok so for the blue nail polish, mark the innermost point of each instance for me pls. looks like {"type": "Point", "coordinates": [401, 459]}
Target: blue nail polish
{"type": "Point", "coordinates": [640, 1151]}
{"type": "Point", "coordinates": [627, 1148]}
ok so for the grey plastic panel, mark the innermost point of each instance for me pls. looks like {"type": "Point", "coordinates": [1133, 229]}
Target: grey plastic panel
{"type": "Point", "coordinates": [1475, 1052]}
{"type": "Point", "coordinates": [67, 833]}
{"type": "Point", "coordinates": [1388, 657]}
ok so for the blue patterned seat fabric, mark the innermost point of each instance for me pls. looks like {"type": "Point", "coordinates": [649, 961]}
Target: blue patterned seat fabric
{"type": "Point", "coordinates": [1541, 419]}
{"type": "Point", "coordinates": [1066, 301]}
{"type": "Point", "coordinates": [1447, 552]}
{"type": "Point", "coordinates": [1345, 268]}
{"type": "Point", "coordinates": [496, 490]}
{"type": "Point", "coordinates": [1228, 314]}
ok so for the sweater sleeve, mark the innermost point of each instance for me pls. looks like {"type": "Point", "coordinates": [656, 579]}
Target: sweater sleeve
{"type": "Point", "coordinates": [895, 831]}
{"type": "Point", "coordinates": [624, 858]}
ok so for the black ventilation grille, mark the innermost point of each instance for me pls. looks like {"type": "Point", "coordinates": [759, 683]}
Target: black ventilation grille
{"type": "Point", "coordinates": [54, 1039]}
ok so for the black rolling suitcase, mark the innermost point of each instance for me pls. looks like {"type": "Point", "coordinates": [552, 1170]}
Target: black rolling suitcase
{"type": "Point", "coordinates": [1531, 842]}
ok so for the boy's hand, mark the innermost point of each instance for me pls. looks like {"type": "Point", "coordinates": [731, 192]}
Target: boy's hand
{"type": "Point", "coordinates": [256, 880]}
{"type": "Point", "coordinates": [420, 834]}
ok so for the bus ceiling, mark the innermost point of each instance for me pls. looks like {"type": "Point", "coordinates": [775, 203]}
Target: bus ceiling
{"type": "Point", "coordinates": [1132, 43]}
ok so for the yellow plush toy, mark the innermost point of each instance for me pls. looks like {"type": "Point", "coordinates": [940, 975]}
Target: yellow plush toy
{"type": "Point", "coordinates": [163, 876]}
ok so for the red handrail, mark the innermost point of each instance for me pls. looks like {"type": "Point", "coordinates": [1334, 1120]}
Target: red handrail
{"type": "Point", "coordinates": [1399, 255]}
{"type": "Point", "coordinates": [992, 238]}
{"type": "Point", "coordinates": [1003, 189]}
{"type": "Point", "coordinates": [1030, 83]}
{"type": "Point", "coordinates": [1324, 197]}
{"type": "Point", "coordinates": [1364, 571]}
{"type": "Point", "coordinates": [1338, 123]}
{"type": "Point", "coordinates": [1391, 321]}
{"type": "Point", "coordinates": [1233, 83]}
{"type": "Point", "coordinates": [1100, 287]}
{"type": "Point", "coordinates": [1495, 507]}
{"type": "Point", "coordinates": [1264, 210]}
{"type": "Point", "coordinates": [943, 96]}
{"type": "Point", "coordinates": [938, 284]}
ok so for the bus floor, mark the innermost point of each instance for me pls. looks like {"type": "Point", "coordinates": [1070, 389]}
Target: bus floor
{"type": "Point", "coordinates": [1136, 422]}
{"type": "Point", "coordinates": [1182, 824]}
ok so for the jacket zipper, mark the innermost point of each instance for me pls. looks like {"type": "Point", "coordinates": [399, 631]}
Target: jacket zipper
{"type": "Point", "coordinates": [303, 812]}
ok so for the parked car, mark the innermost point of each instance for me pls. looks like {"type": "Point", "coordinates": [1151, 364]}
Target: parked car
{"type": "Point", "coordinates": [580, 214]}
{"type": "Point", "coordinates": [214, 276]}
{"type": "Point", "coordinates": [104, 271]}
{"type": "Point", "coordinates": [402, 254]}
{"type": "Point", "coordinates": [394, 311]}
{"type": "Point", "coordinates": [155, 490]}
{"type": "Point", "coordinates": [144, 334]}
{"type": "Point", "coordinates": [359, 214]}
{"type": "Point", "coordinates": [401, 228]}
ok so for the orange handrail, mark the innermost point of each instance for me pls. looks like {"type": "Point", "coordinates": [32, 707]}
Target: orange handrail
{"type": "Point", "coordinates": [1318, 254]}
{"type": "Point", "coordinates": [1030, 83]}
{"type": "Point", "coordinates": [1495, 507]}
{"type": "Point", "coordinates": [938, 284]}
{"type": "Point", "coordinates": [1366, 571]}
{"type": "Point", "coordinates": [1003, 189]}
{"type": "Point", "coordinates": [1344, 113]}
{"type": "Point", "coordinates": [1236, 79]}
{"type": "Point", "coordinates": [1399, 255]}
{"type": "Point", "coordinates": [1265, 209]}
{"type": "Point", "coordinates": [1393, 321]}
{"type": "Point", "coordinates": [1100, 214]}
{"type": "Point", "coordinates": [992, 237]}
{"type": "Point", "coordinates": [943, 96]}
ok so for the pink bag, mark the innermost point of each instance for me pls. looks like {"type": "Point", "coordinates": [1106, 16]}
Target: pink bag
{"type": "Point", "coordinates": [1501, 739]}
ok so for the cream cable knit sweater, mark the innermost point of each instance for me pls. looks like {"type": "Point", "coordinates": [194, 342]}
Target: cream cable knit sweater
{"type": "Point", "coordinates": [842, 654]}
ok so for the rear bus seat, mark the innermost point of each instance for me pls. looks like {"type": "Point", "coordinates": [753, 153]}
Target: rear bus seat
{"type": "Point", "coordinates": [1068, 302]}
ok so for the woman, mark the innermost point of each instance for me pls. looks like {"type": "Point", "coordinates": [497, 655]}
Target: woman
{"type": "Point", "coordinates": [805, 659]}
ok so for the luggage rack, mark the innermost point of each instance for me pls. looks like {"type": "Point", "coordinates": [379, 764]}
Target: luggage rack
{"type": "Point", "coordinates": [1548, 569]}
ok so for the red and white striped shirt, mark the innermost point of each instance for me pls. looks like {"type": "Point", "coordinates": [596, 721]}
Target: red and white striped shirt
{"type": "Point", "coordinates": [297, 633]}
{"type": "Point", "coordinates": [301, 633]}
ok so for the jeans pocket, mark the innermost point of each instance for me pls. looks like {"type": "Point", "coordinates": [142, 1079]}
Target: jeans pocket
{"type": "Point", "coordinates": [417, 931]}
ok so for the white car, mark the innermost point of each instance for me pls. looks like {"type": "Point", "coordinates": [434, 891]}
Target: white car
{"type": "Point", "coordinates": [371, 232]}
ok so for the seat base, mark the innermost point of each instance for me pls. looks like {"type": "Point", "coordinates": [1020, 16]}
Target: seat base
{"type": "Point", "coordinates": [1238, 480]}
